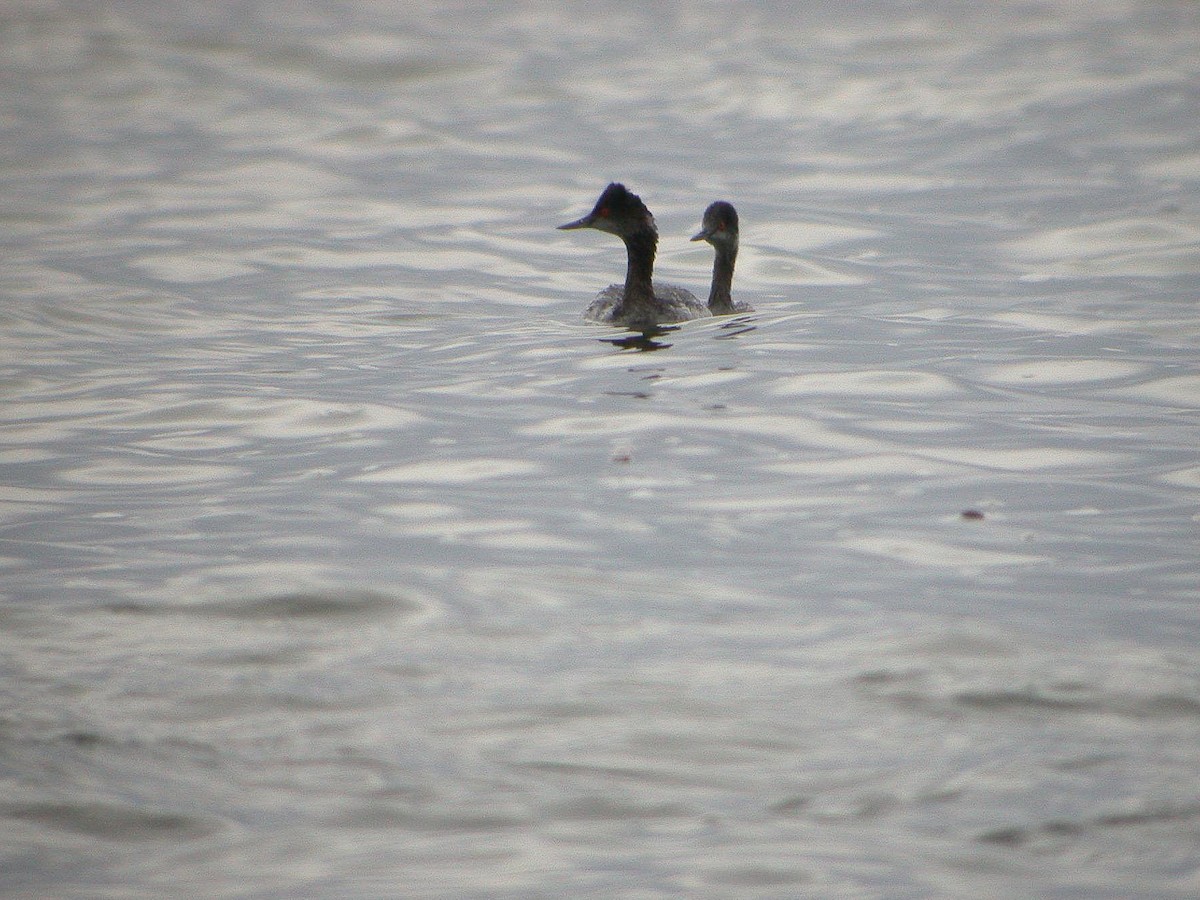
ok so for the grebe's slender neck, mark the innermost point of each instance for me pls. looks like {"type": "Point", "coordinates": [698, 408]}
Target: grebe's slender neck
{"type": "Point", "coordinates": [720, 296]}
{"type": "Point", "coordinates": [640, 247]}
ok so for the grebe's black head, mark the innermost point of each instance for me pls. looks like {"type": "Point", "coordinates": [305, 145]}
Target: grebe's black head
{"type": "Point", "coordinates": [618, 211]}
{"type": "Point", "coordinates": [720, 224]}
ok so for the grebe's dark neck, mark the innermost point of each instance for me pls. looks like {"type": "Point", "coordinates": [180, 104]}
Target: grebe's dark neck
{"type": "Point", "coordinates": [720, 296]}
{"type": "Point", "coordinates": [640, 247]}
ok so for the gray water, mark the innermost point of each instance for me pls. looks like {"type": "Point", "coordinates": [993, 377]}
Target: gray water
{"type": "Point", "coordinates": [341, 559]}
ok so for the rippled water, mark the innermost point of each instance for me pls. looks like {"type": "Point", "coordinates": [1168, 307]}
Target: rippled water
{"type": "Point", "coordinates": [340, 558]}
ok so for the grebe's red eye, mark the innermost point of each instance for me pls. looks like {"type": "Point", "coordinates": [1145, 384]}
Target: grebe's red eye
{"type": "Point", "coordinates": [603, 213]}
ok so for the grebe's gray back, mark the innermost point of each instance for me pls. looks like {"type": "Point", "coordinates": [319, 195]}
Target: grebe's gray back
{"type": "Point", "coordinates": [639, 303]}
{"type": "Point", "coordinates": [720, 228]}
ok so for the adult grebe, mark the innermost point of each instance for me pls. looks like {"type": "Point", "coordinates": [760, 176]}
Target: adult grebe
{"type": "Point", "coordinates": [640, 303]}
{"type": "Point", "coordinates": [720, 228]}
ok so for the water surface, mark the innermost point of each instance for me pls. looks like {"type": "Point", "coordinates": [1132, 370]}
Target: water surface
{"type": "Point", "coordinates": [340, 558]}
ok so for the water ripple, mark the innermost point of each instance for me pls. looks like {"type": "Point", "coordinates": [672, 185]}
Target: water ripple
{"type": "Point", "coordinates": [450, 471]}
{"type": "Point", "coordinates": [868, 384]}
{"type": "Point", "coordinates": [116, 823]}
{"type": "Point", "coordinates": [928, 552]}
{"type": "Point", "coordinates": [1123, 247]}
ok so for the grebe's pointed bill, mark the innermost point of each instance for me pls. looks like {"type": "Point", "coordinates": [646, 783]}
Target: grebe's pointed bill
{"type": "Point", "coordinates": [585, 222]}
{"type": "Point", "coordinates": [702, 235]}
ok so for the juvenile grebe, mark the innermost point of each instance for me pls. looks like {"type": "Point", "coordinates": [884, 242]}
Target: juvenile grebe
{"type": "Point", "coordinates": [640, 303]}
{"type": "Point", "coordinates": [720, 228]}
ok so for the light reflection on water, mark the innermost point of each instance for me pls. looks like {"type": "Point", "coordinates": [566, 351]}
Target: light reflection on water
{"type": "Point", "coordinates": [341, 559]}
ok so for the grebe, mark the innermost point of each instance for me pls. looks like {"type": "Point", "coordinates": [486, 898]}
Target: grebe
{"type": "Point", "coordinates": [640, 303]}
{"type": "Point", "coordinates": [720, 228]}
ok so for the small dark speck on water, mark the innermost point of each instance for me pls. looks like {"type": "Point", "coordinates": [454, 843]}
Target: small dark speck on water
{"type": "Point", "coordinates": [972, 515]}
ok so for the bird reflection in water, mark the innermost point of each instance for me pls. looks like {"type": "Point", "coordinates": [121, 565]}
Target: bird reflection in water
{"type": "Point", "coordinates": [642, 341]}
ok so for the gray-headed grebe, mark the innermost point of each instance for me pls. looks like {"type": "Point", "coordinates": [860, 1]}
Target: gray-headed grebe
{"type": "Point", "coordinates": [720, 228]}
{"type": "Point", "coordinates": [640, 303]}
